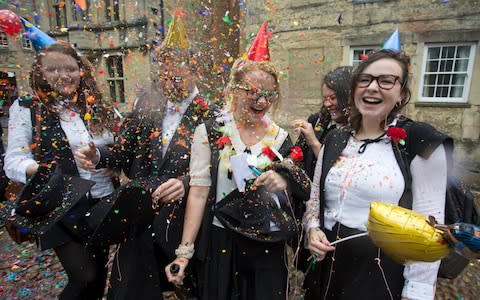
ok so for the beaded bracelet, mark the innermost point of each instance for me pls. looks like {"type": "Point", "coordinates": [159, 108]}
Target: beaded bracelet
{"type": "Point", "coordinates": [185, 251]}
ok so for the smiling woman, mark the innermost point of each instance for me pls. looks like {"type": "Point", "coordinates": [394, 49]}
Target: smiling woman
{"type": "Point", "coordinates": [366, 163]}
{"type": "Point", "coordinates": [246, 260]}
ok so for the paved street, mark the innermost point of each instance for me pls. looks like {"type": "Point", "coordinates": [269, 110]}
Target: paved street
{"type": "Point", "coordinates": [26, 273]}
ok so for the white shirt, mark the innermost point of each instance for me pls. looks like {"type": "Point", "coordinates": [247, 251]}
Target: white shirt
{"type": "Point", "coordinates": [19, 156]}
{"type": "Point", "coordinates": [200, 159]}
{"type": "Point", "coordinates": [376, 175]}
{"type": "Point", "coordinates": [173, 117]}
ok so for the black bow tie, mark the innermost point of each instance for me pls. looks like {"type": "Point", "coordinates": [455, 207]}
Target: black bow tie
{"type": "Point", "coordinates": [369, 141]}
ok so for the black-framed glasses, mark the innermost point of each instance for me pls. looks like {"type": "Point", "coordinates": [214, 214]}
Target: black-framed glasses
{"type": "Point", "coordinates": [385, 81]}
{"type": "Point", "coordinates": [255, 94]}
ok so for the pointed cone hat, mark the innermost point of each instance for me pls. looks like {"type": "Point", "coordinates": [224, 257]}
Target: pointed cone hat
{"type": "Point", "coordinates": [259, 50]}
{"type": "Point", "coordinates": [38, 38]}
{"type": "Point", "coordinates": [393, 42]}
{"type": "Point", "coordinates": [176, 37]}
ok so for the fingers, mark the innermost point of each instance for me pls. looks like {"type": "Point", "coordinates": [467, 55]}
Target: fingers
{"type": "Point", "coordinates": [272, 181]}
{"type": "Point", "coordinates": [176, 278]}
{"type": "Point", "coordinates": [168, 191]}
{"type": "Point", "coordinates": [318, 243]}
{"type": "Point", "coordinates": [82, 159]}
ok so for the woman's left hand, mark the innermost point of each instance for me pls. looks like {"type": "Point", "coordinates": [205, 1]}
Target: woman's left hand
{"type": "Point", "coordinates": [272, 181]}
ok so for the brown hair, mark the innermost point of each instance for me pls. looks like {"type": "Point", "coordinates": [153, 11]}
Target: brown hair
{"type": "Point", "coordinates": [103, 114]}
{"type": "Point", "coordinates": [355, 118]}
{"type": "Point", "coordinates": [240, 69]}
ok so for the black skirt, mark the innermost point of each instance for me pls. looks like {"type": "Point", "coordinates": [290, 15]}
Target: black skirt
{"type": "Point", "coordinates": [238, 268]}
{"type": "Point", "coordinates": [357, 269]}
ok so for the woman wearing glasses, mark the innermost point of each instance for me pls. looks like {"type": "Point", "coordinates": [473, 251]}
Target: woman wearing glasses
{"type": "Point", "coordinates": [369, 162]}
{"type": "Point", "coordinates": [236, 263]}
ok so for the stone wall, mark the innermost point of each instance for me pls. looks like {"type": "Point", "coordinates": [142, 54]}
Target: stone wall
{"type": "Point", "coordinates": [312, 37]}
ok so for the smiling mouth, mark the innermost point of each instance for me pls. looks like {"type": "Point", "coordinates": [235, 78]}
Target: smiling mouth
{"type": "Point", "coordinates": [371, 100]}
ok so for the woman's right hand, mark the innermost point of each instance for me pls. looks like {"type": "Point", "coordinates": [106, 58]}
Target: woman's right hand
{"type": "Point", "coordinates": [305, 128]}
{"type": "Point", "coordinates": [177, 278]}
{"type": "Point", "coordinates": [318, 243]}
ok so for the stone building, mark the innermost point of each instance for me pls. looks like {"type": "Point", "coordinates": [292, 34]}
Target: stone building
{"type": "Point", "coordinates": [118, 37]}
{"type": "Point", "coordinates": [312, 37]}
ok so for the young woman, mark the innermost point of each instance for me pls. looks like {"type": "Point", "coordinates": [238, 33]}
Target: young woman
{"type": "Point", "coordinates": [64, 113]}
{"type": "Point", "coordinates": [238, 264]}
{"type": "Point", "coordinates": [335, 91]}
{"type": "Point", "coordinates": [366, 164]}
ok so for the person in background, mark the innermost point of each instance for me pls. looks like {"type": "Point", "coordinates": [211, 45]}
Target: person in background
{"type": "Point", "coordinates": [67, 108]}
{"type": "Point", "coordinates": [364, 164]}
{"type": "Point", "coordinates": [332, 114]}
{"type": "Point", "coordinates": [335, 91]}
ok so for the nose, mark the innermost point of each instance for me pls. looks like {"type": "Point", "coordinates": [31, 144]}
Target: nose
{"type": "Point", "coordinates": [373, 84]}
{"type": "Point", "coordinates": [262, 100]}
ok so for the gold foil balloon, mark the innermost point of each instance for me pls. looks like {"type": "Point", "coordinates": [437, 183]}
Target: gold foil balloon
{"type": "Point", "coordinates": [405, 235]}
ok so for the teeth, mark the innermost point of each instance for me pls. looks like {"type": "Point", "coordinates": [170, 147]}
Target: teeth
{"type": "Point", "coordinates": [371, 100]}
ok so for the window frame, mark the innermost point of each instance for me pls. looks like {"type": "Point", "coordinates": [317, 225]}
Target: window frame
{"type": "Point", "coordinates": [366, 49]}
{"type": "Point", "coordinates": [3, 40]}
{"type": "Point", "coordinates": [114, 77]}
{"type": "Point", "coordinates": [466, 85]}
{"type": "Point", "coordinates": [79, 15]}
{"type": "Point", "coordinates": [60, 14]}
{"type": "Point", "coordinates": [112, 10]}
{"type": "Point", "coordinates": [26, 43]}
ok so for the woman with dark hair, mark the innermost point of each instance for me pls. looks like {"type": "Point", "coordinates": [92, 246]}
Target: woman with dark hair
{"type": "Point", "coordinates": [382, 156]}
{"type": "Point", "coordinates": [64, 113]}
{"type": "Point", "coordinates": [332, 114]}
{"type": "Point", "coordinates": [335, 91]}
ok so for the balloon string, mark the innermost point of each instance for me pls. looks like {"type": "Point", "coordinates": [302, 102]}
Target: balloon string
{"type": "Point", "coordinates": [349, 238]}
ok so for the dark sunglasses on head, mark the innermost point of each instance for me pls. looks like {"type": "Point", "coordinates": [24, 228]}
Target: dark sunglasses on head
{"type": "Point", "coordinates": [386, 81]}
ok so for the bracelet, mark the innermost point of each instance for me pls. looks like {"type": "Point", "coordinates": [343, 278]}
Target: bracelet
{"type": "Point", "coordinates": [185, 251]}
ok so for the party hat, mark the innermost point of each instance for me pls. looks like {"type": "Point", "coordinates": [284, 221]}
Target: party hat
{"type": "Point", "coordinates": [259, 50]}
{"type": "Point", "coordinates": [38, 38]}
{"type": "Point", "coordinates": [176, 36]}
{"type": "Point", "coordinates": [393, 42]}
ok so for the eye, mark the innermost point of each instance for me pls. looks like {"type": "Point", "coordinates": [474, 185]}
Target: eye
{"type": "Point", "coordinates": [387, 80]}
{"type": "Point", "coordinates": [364, 79]}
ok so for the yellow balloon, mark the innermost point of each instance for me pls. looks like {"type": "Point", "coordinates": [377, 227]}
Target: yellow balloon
{"type": "Point", "coordinates": [405, 235]}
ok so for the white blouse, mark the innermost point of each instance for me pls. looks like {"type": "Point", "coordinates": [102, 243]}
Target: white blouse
{"type": "Point", "coordinates": [356, 179]}
{"type": "Point", "coordinates": [201, 154]}
{"type": "Point", "coordinates": [19, 156]}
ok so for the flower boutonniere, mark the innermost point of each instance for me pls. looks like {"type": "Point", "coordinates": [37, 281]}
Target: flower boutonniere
{"type": "Point", "coordinates": [200, 104]}
{"type": "Point", "coordinates": [223, 141]}
{"type": "Point", "coordinates": [296, 154]}
{"type": "Point", "coordinates": [397, 135]}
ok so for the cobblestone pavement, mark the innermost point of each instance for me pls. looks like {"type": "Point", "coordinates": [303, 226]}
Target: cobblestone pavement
{"type": "Point", "coordinates": [26, 273]}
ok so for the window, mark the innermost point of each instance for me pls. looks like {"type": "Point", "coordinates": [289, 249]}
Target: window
{"type": "Point", "coordinates": [112, 10]}
{"type": "Point", "coordinates": [115, 78]}
{"type": "Point", "coordinates": [79, 14]}
{"type": "Point", "coordinates": [26, 43]}
{"type": "Point", "coordinates": [3, 40]}
{"type": "Point", "coordinates": [446, 72]}
{"type": "Point", "coordinates": [356, 54]}
{"type": "Point", "coordinates": [60, 14]}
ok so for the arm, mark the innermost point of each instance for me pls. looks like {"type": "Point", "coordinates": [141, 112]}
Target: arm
{"type": "Point", "coordinates": [19, 160]}
{"type": "Point", "coordinates": [305, 130]}
{"type": "Point", "coordinates": [429, 182]}
{"type": "Point", "coordinates": [316, 241]}
{"type": "Point", "coordinates": [197, 199]}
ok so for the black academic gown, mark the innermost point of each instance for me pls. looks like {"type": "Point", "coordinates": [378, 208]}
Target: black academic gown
{"type": "Point", "coordinates": [137, 271]}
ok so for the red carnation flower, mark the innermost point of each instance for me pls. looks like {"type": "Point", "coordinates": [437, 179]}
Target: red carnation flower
{"type": "Point", "coordinates": [397, 134]}
{"type": "Point", "coordinates": [296, 153]}
{"type": "Point", "coordinates": [203, 105]}
{"type": "Point", "coordinates": [221, 142]}
{"type": "Point", "coordinates": [267, 151]}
